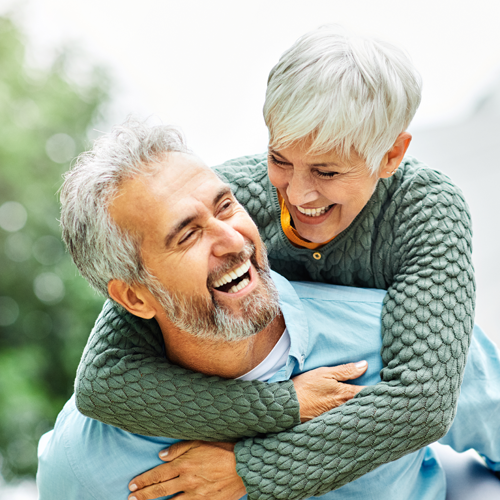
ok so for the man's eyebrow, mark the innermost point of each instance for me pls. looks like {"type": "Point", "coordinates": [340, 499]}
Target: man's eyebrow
{"type": "Point", "coordinates": [178, 228]}
{"type": "Point", "coordinates": [187, 220]}
{"type": "Point", "coordinates": [329, 164]}
{"type": "Point", "coordinates": [223, 191]}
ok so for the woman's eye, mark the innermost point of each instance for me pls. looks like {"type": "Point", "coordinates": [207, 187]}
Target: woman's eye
{"type": "Point", "coordinates": [278, 162]}
{"type": "Point", "coordinates": [326, 175]}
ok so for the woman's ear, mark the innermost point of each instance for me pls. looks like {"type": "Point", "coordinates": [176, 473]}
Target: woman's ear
{"type": "Point", "coordinates": [136, 299]}
{"type": "Point", "coordinates": [395, 155]}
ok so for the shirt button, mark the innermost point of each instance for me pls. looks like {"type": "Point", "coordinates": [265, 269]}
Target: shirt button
{"type": "Point", "coordinates": [317, 255]}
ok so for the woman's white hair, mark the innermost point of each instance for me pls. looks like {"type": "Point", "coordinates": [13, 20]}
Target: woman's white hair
{"type": "Point", "coordinates": [100, 249]}
{"type": "Point", "coordinates": [343, 91]}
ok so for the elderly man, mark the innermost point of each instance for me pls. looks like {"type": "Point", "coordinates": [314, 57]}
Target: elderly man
{"type": "Point", "coordinates": [200, 271]}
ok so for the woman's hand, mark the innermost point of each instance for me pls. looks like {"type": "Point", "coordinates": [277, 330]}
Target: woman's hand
{"type": "Point", "coordinates": [200, 469]}
{"type": "Point", "coordinates": [196, 468]}
{"type": "Point", "coordinates": [322, 389]}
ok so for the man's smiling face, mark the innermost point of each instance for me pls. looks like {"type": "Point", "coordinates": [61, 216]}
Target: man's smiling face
{"type": "Point", "coordinates": [199, 243]}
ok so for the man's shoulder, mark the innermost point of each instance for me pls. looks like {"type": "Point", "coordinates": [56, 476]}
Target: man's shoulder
{"type": "Point", "coordinates": [91, 460]}
{"type": "Point", "coordinates": [325, 292]}
{"type": "Point", "coordinates": [337, 293]}
{"type": "Point", "coordinates": [59, 474]}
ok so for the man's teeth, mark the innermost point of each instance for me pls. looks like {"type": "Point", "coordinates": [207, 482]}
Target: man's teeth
{"type": "Point", "coordinates": [242, 284]}
{"type": "Point", "coordinates": [232, 275]}
{"type": "Point", "coordinates": [313, 212]}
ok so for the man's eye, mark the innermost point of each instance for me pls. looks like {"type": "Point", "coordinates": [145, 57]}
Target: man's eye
{"type": "Point", "coordinates": [226, 205]}
{"type": "Point", "coordinates": [186, 237]}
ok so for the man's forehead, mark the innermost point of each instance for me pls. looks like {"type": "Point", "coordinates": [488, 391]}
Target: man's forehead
{"type": "Point", "coordinates": [180, 180]}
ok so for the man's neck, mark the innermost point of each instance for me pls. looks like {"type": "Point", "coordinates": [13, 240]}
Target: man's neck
{"type": "Point", "coordinates": [221, 358]}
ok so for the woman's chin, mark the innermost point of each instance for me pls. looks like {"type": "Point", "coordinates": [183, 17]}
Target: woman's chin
{"type": "Point", "coordinates": [315, 229]}
{"type": "Point", "coordinates": [315, 234]}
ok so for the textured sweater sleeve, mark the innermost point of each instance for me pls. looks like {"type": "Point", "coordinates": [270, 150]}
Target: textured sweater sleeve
{"type": "Point", "coordinates": [427, 324]}
{"type": "Point", "coordinates": [125, 380]}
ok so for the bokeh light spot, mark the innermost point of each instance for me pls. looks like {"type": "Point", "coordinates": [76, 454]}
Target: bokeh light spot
{"type": "Point", "coordinates": [13, 216]}
{"type": "Point", "coordinates": [60, 148]}
{"type": "Point", "coordinates": [48, 250]}
{"type": "Point", "coordinates": [26, 114]}
{"type": "Point", "coordinates": [18, 247]}
{"type": "Point", "coordinates": [49, 288]}
{"type": "Point", "coordinates": [9, 311]}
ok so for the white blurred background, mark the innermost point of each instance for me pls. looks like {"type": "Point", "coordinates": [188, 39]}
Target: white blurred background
{"type": "Point", "coordinates": [203, 66]}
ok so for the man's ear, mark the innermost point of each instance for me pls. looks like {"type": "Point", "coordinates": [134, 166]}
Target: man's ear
{"type": "Point", "coordinates": [395, 155]}
{"type": "Point", "coordinates": [135, 299]}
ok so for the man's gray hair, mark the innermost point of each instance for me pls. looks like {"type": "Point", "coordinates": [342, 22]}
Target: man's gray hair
{"type": "Point", "coordinates": [344, 91]}
{"type": "Point", "coordinates": [100, 249]}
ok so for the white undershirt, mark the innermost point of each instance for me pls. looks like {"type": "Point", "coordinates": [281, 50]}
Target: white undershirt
{"type": "Point", "coordinates": [274, 361]}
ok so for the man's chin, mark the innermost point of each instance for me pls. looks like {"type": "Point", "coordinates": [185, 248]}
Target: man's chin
{"type": "Point", "coordinates": [222, 316]}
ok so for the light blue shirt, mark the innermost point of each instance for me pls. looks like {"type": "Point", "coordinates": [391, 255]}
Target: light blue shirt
{"type": "Point", "coordinates": [83, 459]}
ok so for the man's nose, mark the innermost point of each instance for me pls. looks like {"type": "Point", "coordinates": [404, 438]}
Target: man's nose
{"type": "Point", "coordinates": [301, 189]}
{"type": "Point", "coordinates": [227, 239]}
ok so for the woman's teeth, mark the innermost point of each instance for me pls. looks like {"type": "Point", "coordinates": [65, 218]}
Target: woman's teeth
{"type": "Point", "coordinates": [313, 212]}
{"type": "Point", "coordinates": [232, 275]}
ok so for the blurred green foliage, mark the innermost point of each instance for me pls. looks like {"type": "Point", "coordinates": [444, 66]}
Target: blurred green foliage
{"type": "Point", "coordinates": [46, 309]}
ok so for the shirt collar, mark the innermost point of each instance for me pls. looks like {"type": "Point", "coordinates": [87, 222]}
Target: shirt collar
{"type": "Point", "coordinates": [296, 323]}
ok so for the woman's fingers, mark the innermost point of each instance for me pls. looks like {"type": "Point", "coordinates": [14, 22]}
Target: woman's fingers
{"type": "Point", "coordinates": [348, 371]}
{"type": "Point", "coordinates": [197, 469]}
{"type": "Point", "coordinates": [160, 474]}
{"type": "Point", "coordinates": [323, 389]}
{"type": "Point", "coordinates": [157, 490]}
{"type": "Point", "coordinates": [167, 471]}
{"type": "Point", "coordinates": [177, 449]}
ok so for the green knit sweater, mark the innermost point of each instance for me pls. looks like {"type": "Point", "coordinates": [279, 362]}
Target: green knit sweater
{"type": "Point", "coordinates": [413, 238]}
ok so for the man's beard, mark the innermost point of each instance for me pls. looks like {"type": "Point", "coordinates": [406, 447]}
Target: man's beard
{"type": "Point", "coordinates": [206, 318]}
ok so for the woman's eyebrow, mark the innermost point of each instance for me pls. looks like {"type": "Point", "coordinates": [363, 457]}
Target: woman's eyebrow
{"type": "Point", "coordinates": [276, 153]}
{"type": "Point", "coordinates": [329, 164]}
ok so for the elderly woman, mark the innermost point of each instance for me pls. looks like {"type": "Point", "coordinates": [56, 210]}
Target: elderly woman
{"type": "Point", "coordinates": [336, 202]}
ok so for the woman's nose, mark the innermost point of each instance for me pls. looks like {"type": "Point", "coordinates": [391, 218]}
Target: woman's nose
{"type": "Point", "coordinates": [300, 189]}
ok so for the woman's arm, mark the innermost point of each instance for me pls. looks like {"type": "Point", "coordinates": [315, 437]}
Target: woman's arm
{"type": "Point", "coordinates": [427, 320]}
{"type": "Point", "coordinates": [125, 380]}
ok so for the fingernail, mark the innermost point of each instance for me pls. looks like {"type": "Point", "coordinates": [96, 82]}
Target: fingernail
{"type": "Point", "coordinates": [163, 453]}
{"type": "Point", "coordinates": [360, 364]}
{"type": "Point", "coordinates": [132, 498]}
{"type": "Point", "coordinates": [132, 487]}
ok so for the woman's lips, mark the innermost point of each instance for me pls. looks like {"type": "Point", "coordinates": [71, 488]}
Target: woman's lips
{"type": "Point", "coordinates": [306, 219]}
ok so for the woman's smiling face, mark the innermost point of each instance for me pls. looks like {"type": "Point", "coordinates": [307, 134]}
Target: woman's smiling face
{"type": "Point", "coordinates": [324, 193]}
